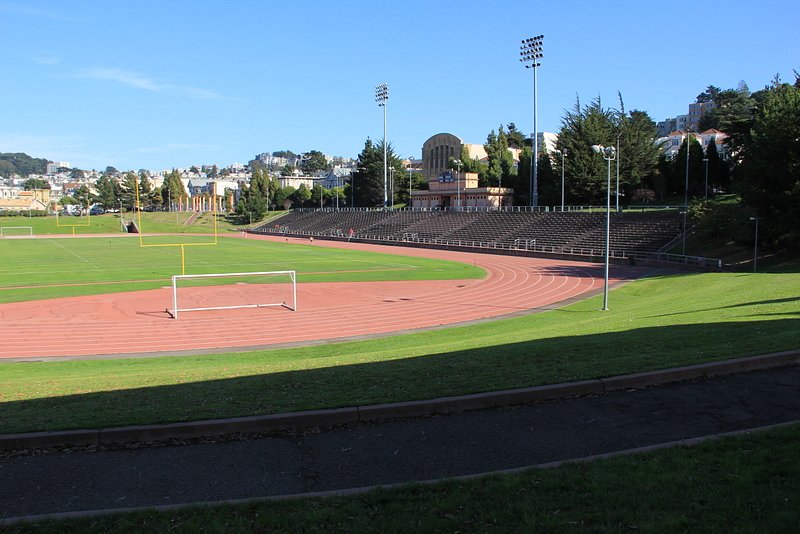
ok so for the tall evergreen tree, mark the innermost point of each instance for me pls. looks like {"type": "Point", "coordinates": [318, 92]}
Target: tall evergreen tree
{"type": "Point", "coordinates": [581, 128]}
{"type": "Point", "coordinates": [768, 176]}
{"type": "Point", "coordinates": [367, 180]}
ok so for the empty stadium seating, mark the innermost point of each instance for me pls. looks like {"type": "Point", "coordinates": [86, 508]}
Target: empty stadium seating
{"type": "Point", "coordinates": [576, 232]}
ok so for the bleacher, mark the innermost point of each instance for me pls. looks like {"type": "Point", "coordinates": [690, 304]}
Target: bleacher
{"type": "Point", "coordinates": [572, 232]}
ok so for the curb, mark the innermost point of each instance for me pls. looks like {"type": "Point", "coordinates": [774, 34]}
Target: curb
{"type": "Point", "coordinates": [400, 410]}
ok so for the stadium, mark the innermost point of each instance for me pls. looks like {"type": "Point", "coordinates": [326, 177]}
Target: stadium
{"type": "Point", "coordinates": [386, 315]}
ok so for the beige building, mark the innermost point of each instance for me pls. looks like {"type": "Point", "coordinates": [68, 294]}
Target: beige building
{"type": "Point", "coordinates": [452, 189]}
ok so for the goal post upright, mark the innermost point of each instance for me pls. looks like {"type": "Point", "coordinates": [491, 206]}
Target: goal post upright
{"type": "Point", "coordinates": [291, 306]}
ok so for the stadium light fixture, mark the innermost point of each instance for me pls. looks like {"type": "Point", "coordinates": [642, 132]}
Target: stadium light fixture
{"type": "Point", "coordinates": [381, 97]}
{"type": "Point", "coordinates": [531, 51]}
{"type": "Point", "coordinates": [609, 154]}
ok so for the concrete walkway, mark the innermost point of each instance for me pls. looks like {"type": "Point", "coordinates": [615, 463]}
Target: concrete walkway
{"type": "Point", "coordinates": [398, 451]}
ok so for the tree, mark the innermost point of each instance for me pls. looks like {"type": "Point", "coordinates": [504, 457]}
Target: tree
{"type": "Point", "coordinates": [173, 190]}
{"type": "Point", "coordinates": [35, 183]}
{"type": "Point", "coordinates": [732, 114]}
{"type": "Point", "coordinates": [719, 175]}
{"type": "Point", "coordinates": [368, 177]}
{"type": "Point", "coordinates": [128, 190]}
{"type": "Point", "coordinates": [500, 163]}
{"type": "Point", "coordinates": [581, 128]}
{"type": "Point", "coordinates": [83, 196]}
{"type": "Point", "coordinates": [638, 157]}
{"type": "Point", "coordinates": [108, 191]}
{"type": "Point", "coordinates": [145, 190]}
{"type": "Point", "coordinates": [768, 175]}
{"type": "Point", "coordinates": [111, 171]}
{"type": "Point", "coordinates": [313, 162]}
{"type": "Point", "coordinates": [22, 164]}
{"type": "Point", "coordinates": [318, 195]}
{"type": "Point", "coordinates": [696, 182]}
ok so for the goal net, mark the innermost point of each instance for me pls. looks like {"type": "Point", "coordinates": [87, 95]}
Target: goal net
{"type": "Point", "coordinates": [16, 231]}
{"type": "Point", "coordinates": [227, 291]}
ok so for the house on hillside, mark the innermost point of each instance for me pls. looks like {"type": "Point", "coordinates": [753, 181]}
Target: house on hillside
{"type": "Point", "coordinates": [21, 204]}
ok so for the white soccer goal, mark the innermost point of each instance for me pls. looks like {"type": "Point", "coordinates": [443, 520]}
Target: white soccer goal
{"type": "Point", "coordinates": [200, 292]}
{"type": "Point", "coordinates": [16, 231]}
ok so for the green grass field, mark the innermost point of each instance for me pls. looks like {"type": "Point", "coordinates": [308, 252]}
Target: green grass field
{"type": "Point", "coordinates": [152, 222]}
{"type": "Point", "coordinates": [41, 268]}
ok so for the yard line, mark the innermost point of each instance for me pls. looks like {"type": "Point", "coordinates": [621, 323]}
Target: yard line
{"type": "Point", "coordinates": [55, 242]}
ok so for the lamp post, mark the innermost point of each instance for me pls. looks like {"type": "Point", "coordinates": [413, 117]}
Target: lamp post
{"type": "Point", "coordinates": [563, 155]}
{"type": "Point", "coordinates": [457, 163]}
{"type": "Point", "coordinates": [391, 186]}
{"type": "Point", "coordinates": [410, 204]}
{"type": "Point", "coordinates": [686, 193]}
{"type": "Point", "coordinates": [616, 189]}
{"type": "Point", "coordinates": [755, 244]}
{"type": "Point", "coordinates": [381, 96]}
{"type": "Point", "coordinates": [530, 52]}
{"type": "Point", "coordinates": [609, 153]}
{"type": "Point", "coordinates": [705, 160]}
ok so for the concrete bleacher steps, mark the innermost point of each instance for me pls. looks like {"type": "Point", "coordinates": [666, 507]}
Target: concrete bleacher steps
{"type": "Point", "coordinates": [556, 231]}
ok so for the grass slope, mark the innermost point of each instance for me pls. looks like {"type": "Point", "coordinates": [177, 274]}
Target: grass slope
{"type": "Point", "coordinates": [653, 324]}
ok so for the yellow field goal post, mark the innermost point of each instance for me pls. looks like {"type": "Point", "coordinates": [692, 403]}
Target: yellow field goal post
{"type": "Point", "coordinates": [181, 245]}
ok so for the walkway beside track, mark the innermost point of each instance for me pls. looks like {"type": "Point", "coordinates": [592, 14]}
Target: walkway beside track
{"type": "Point", "coordinates": [355, 456]}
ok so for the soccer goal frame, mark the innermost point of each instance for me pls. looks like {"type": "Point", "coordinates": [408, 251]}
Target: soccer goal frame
{"type": "Point", "coordinates": [3, 232]}
{"type": "Point", "coordinates": [175, 278]}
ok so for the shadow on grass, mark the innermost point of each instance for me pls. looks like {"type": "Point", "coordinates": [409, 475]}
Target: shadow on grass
{"type": "Point", "coordinates": [512, 365]}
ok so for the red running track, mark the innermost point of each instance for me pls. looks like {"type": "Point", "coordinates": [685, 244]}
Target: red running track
{"type": "Point", "coordinates": [135, 323]}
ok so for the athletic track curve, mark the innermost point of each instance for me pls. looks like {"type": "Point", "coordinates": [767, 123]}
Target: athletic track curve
{"type": "Point", "coordinates": [135, 323]}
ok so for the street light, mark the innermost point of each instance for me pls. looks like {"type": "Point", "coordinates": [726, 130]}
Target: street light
{"type": "Point", "coordinates": [705, 160]}
{"type": "Point", "coordinates": [609, 153]}
{"type": "Point", "coordinates": [381, 96]}
{"type": "Point", "coordinates": [391, 185]}
{"type": "Point", "coordinates": [530, 51]}
{"type": "Point", "coordinates": [457, 163]}
{"type": "Point", "coordinates": [686, 192]}
{"type": "Point", "coordinates": [563, 155]}
{"type": "Point", "coordinates": [616, 189]}
{"type": "Point", "coordinates": [755, 245]}
{"type": "Point", "coordinates": [410, 204]}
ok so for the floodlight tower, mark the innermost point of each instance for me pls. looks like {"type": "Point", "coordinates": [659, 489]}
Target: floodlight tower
{"type": "Point", "coordinates": [609, 154]}
{"type": "Point", "coordinates": [381, 96]}
{"type": "Point", "coordinates": [530, 52]}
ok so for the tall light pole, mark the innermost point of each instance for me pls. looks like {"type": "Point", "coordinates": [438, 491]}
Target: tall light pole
{"type": "Point", "coordinates": [530, 52]}
{"type": "Point", "coordinates": [563, 155]}
{"type": "Point", "coordinates": [616, 189]}
{"type": "Point", "coordinates": [686, 192]}
{"type": "Point", "coordinates": [457, 163]}
{"type": "Point", "coordinates": [410, 205]}
{"type": "Point", "coordinates": [705, 160]}
{"type": "Point", "coordinates": [381, 96]}
{"type": "Point", "coordinates": [755, 245]}
{"type": "Point", "coordinates": [609, 153]}
{"type": "Point", "coordinates": [391, 185]}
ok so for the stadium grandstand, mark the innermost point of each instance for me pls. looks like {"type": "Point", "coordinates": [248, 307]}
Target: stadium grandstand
{"type": "Point", "coordinates": [634, 235]}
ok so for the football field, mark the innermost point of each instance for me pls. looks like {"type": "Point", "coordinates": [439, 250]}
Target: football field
{"type": "Point", "coordinates": [41, 268]}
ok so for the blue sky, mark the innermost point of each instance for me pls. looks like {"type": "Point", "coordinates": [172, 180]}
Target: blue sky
{"type": "Point", "coordinates": [162, 84]}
